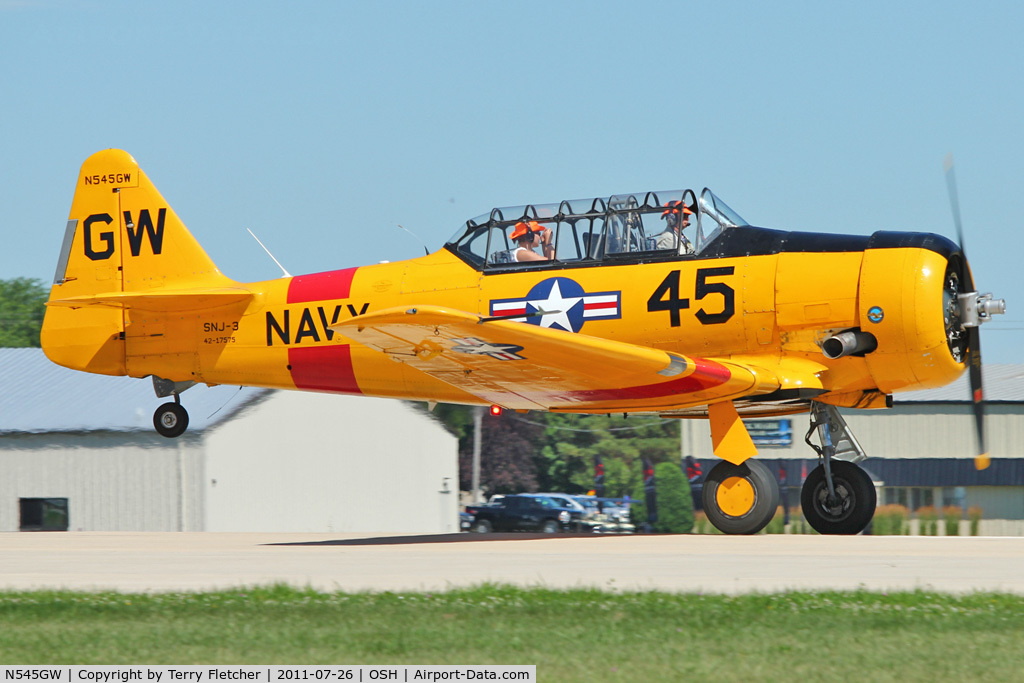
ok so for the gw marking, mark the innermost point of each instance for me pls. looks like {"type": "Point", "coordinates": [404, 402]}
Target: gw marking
{"type": "Point", "coordinates": [310, 326]}
{"type": "Point", "coordinates": [134, 233]}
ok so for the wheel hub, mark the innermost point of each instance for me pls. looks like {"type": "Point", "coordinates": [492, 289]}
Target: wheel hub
{"type": "Point", "coordinates": [836, 507]}
{"type": "Point", "coordinates": [735, 496]}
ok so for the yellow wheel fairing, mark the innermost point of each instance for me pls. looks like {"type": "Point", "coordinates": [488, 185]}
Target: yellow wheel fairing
{"type": "Point", "coordinates": [735, 496]}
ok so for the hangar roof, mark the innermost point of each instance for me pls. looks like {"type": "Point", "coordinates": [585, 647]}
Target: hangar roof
{"type": "Point", "coordinates": [39, 396]}
{"type": "Point", "coordinates": [1002, 384]}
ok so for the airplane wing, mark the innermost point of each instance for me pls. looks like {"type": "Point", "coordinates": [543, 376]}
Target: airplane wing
{"type": "Point", "coordinates": [522, 366]}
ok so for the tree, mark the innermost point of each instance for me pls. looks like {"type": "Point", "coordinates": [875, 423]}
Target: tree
{"type": "Point", "coordinates": [555, 452]}
{"type": "Point", "coordinates": [572, 442]}
{"type": "Point", "coordinates": [508, 447]}
{"type": "Point", "coordinates": [22, 305]}
{"type": "Point", "coordinates": [674, 502]}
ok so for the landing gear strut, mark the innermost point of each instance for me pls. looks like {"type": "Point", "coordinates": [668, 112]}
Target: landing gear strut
{"type": "Point", "coordinates": [838, 496]}
{"type": "Point", "coordinates": [170, 419]}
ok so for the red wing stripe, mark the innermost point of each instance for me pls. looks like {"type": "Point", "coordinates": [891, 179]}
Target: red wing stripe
{"type": "Point", "coordinates": [707, 375]}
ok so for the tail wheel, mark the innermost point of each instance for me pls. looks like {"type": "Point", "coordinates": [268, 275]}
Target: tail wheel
{"type": "Point", "coordinates": [740, 499]}
{"type": "Point", "coordinates": [853, 506]}
{"type": "Point", "coordinates": [170, 420]}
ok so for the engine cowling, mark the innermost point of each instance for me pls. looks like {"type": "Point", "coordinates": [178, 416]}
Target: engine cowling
{"type": "Point", "coordinates": [902, 302]}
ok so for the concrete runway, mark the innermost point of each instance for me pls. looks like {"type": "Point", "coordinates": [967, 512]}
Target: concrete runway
{"type": "Point", "coordinates": [160, 562]}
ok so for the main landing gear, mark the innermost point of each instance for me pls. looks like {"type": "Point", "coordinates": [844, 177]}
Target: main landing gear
{"type": "Point", "coordinates": [170, 419]}
{"type": "Point", "coordinates": [838, 497]}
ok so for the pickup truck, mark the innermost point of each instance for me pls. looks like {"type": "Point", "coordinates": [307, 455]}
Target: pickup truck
{"type": "Point", "coordinates": [520, 513]}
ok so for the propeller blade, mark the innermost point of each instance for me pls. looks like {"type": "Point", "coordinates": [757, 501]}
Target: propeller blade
{"type": "Point", "coordinates": [954, 200]}
{"type": "Point", "coordinates": [981, 461]}
{"type": "Point", "coordinates": [966, 280]}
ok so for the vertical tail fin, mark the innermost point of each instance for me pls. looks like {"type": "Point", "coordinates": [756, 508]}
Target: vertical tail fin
{"type": "Point", "coordinates": [122, 243]}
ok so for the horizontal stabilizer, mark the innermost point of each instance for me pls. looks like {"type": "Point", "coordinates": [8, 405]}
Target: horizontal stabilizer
{"type": "Point", "coordinates": [167, 301]}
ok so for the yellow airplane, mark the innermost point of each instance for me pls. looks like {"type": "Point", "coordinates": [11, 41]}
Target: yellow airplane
{"type": "Point", "coordinates": [660, 303]}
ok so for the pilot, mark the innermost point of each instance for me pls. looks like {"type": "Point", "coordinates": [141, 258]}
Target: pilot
{"type": "Point", "coordinates": [674, 228]}
{"type": "Point", "coordinates": [528, 236]}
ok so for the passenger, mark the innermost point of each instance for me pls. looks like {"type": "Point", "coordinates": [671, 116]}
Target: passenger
{"type": "Point", "coordinates": [673, 234]}
{"type": "Point", "coordinates": [530, 235]}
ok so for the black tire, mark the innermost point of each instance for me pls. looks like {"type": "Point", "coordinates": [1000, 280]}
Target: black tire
{"type": "Point", "coordinates": [856, 499]}
{"type": "Point", "coordinates": [481, 527]}
{"type": "Point", "coordinates": [170, 420]}
{"type": "Point", "coordinates": [551, 527]}
{"type": "Point", "coordinates": [740, 499]}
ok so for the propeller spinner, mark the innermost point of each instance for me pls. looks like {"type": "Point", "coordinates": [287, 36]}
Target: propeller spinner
{"type": "Point", "coordinates": [966, 310]}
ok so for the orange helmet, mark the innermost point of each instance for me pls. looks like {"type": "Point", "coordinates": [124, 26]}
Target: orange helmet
{"type": "Point", "coordinates": [673, 207]}
{"type": "Point", "coordinates": [523, 228]}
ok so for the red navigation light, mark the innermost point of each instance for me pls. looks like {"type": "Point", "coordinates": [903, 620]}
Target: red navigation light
{"type": "Point", "coordinates": [496, 410]}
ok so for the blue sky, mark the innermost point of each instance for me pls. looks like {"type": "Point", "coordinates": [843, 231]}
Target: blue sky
{"type": "Point", "coordinates": [323, 125]}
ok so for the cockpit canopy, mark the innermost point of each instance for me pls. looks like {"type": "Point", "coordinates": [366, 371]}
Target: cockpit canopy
{"type": "Point", "coordinates": [623, 227]}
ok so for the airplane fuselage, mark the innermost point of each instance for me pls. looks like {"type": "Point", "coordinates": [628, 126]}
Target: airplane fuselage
{"type": "Point", "coordinates": [758, 305]}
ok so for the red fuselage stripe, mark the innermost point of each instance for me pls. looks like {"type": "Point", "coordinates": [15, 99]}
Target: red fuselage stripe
{"type": "Point", "coordinates": [334, 284]}
{"type": "Point", "coordinates": [323, 368]}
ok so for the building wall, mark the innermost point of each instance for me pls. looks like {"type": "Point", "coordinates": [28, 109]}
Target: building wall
{"type": "Point", "coordinates": [904, 431]}
{"type": "Point", "coordinates": [114, 481]}
{"type": "Point", "coordinates": [997, 502]}
{"type": "Point", "coordinates": [314, 462]}
{"type": "Point", "coordinates": [929, 434]}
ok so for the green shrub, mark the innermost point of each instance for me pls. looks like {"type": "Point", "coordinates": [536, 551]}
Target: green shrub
{"type": "Point", "coordinates": [890, 520]}
{"type": "Point", "coordinates": [702, 525]}
{"type": "Point", "coordinates": [674, 501]}
{"type": "Point", "coordinates": [974, 514]}
{"type": "Point", "coordinates": [928, 518]}
{"type": "Point", "coordinates": [951, 515]}
{"type": "Point", "coordinates": [778, 523]}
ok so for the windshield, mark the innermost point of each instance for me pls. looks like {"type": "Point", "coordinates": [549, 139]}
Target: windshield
{"type": "Point", "coordinates": [632, 226]}
{"type": "Point", "coordinates": [714, 217]}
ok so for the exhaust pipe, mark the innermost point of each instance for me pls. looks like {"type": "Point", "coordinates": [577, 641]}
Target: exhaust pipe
{"type": "Point", "coordinates": [849, 343]}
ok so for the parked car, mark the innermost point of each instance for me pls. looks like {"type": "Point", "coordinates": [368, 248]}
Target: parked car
{"type": "Point", "coordinates": [520, 513]}
{"type": "Point", "coordinates": [612, 514]}
{"type": "Point", "coordinates": [565, 499]}
{"type": "Point", "coordinates": [608, 506]}
{"type": "Point", "coordinates": [578, 519]}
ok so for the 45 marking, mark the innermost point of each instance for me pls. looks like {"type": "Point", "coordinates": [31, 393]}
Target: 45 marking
{"type": "Point", "coordinates": [666, 296]}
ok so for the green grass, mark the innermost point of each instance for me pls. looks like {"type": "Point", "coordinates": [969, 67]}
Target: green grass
{"type": "Point", "coordinates": [581, 635]}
